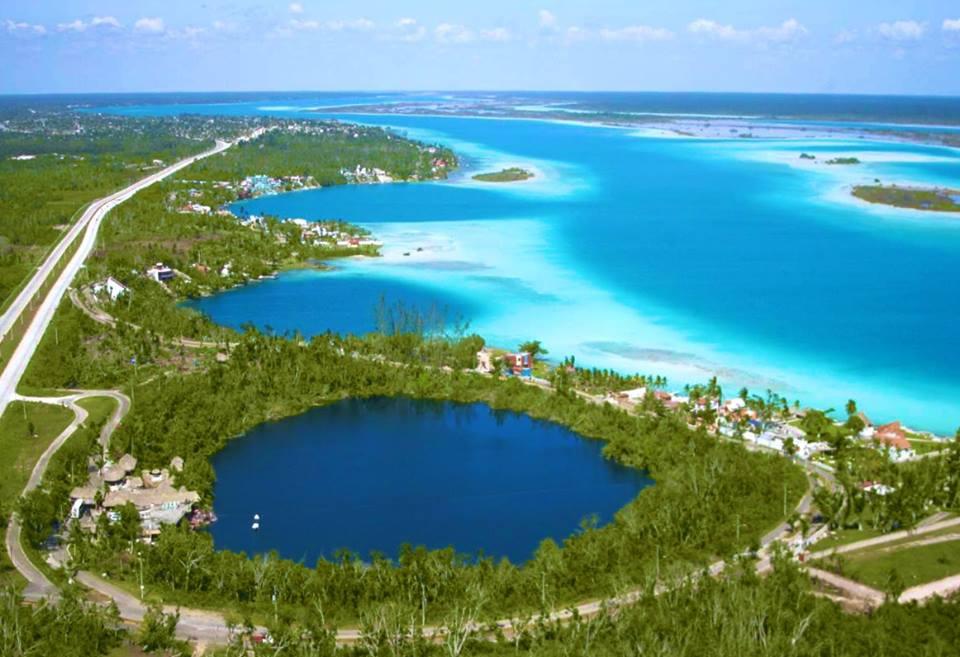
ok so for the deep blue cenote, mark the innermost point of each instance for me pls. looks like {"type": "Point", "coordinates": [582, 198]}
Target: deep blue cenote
{"type": "Point", "coordinates": [370, 475]}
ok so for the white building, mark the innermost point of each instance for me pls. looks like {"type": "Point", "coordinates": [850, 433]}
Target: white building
{"type": "Point", "coordinates": [112, 287]}
{"type": "Point", "coordinates": [160, 273]}
{"type": "Point", "coordinates": [635, 395]}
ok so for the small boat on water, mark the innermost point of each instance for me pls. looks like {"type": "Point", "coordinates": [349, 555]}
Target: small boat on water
{"type": "Point", "coordinates": [255, 526]}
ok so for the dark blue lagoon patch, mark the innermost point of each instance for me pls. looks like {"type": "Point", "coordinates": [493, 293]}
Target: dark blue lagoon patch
{"type": "Point", "coordinates": [370, 475]}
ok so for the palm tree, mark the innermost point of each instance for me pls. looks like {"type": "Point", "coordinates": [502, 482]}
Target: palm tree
{"type": "Point", "coordinates": [851, 407]}
{"type": "Point", "coordinates": [534, 348]}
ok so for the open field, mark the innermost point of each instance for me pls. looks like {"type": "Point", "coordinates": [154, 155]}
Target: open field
{"type": "Point", "coordinates": [99, 408]}
{"type": "Point", "coordinates": [20, 452]}
{"type": "Point", "coordinates": [914, 565]}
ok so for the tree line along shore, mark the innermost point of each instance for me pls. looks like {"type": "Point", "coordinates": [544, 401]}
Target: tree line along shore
{"type": "Point", "coordinates": [712, 499]}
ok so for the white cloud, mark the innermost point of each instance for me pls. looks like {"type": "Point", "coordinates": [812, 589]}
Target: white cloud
{"type": "Point", "coordinates": [901, 30]}
{"type": "Point", "coordinates": [450, 33]}
{"type": "Point", "coordinates": [789, 30]}
{"type": "Point", "coordinates": [409, 30]}
{"type": "Point", "coordinates": [951, 25]}
{"type": "Point", "coordinates": [357, 25]}
{"type": "Point", "coordinates": [712, 28]}
{"type": "Point", "coordinates": [547, 19]}
{"type": "Point", "coordinates": [575, 34]}
{"type": "Point", "coordinates": [150, 25]}
{"type": "Point", "coordinates": [78, 25]}
{"type": "Point", "coordinates": [636, 33]}
{"type": "Point", "coordinates": [844, 37]}
{"type": "Point", "coordinates": [73, 26]}
{"type": "Point", "coordinates": [108, 21]}
{"type": "Point", "coordinates": [500, 34]}
{"type": "Point", "coordinates": [297, 24]}
{"type": "Point", "coordinates": [23, 28]}
{"type": "Point", "coordinates": [296, 8]}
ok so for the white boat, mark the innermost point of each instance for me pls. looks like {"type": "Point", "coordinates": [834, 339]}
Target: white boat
{"type": "Point", "coordinates": [255, 526]}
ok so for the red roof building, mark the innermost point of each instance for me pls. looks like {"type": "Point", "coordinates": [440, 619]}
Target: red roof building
{"type": "Point", "coordinates": [893, 435]}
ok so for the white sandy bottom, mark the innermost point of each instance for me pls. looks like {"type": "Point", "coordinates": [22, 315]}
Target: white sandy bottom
{"type": "Point", "coordinates": [525, 290]}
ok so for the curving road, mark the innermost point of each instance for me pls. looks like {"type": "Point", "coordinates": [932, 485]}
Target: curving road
{"type": "Point", "coordinates": [210, 626]}
{"type": "Point", "coordinates": [86, 230]}
{"type": "Point", "coordinates": [38, 586]}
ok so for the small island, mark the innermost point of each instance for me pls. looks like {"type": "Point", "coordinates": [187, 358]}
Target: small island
{"type": "Point", "coordinates": [844, 160]}
{"type": "Point", "coordinates": [513, 174]}
{"type": "Point", "coordinates": [917, 198]}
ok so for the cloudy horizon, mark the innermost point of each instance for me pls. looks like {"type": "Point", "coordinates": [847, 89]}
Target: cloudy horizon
{"type": "Point", "coordinates": [107, 46]}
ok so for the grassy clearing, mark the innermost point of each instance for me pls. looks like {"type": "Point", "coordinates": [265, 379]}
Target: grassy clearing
{"type": "Point", "coordinates": [26, 430]}
{"type": "Point", "coordinates": [100, 408]}
{"type": "Point", "coordinates": [20, 449]}
{"type": "Point", "coordinates": [845, 537]}
{"type": "Point", "coordinates": [916, 565]}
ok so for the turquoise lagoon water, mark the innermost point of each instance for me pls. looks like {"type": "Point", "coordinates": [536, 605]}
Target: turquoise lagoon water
{"type": "Point", "coordinates": [370, 475]}
{"type": "Point", "coordinates": [676, 256]}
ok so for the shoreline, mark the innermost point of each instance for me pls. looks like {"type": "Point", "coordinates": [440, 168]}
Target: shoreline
{"type": "Point", "coordinates": [683, 358]}
{"type": "Point", "coordinates": [678, 129]}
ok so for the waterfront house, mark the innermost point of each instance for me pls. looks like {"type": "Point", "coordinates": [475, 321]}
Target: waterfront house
{"type": "Point", "coordinates": [520, 363]}
{"type": "Point", "coordinates": [892, 435]}
{"type": "Point", "coordinates": [153, 494]}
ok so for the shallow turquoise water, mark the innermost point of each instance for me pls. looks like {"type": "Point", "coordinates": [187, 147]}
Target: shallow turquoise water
{"type": "Point", "coordinates": [370, 475]}
{"type": "Point", "coordinates": [684, 257]}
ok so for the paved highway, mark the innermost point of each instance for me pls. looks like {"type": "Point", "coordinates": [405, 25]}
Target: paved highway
{"type": "Point", "coordinates": [87, 226]}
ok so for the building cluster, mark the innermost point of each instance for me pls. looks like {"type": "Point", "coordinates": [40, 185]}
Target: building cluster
{"type": "Point", "coordinates": [263, 185]}
{"type": "Point", "coordinates": [514, 364]}
{"type": "Point", "coordinates": [891, 437]}
{"type": "Point", "coordinates": [362, 174]}
{"type": "Point", "coordinates": [325, 233]}
{"type": "Point", "coordinates": [152, 493]}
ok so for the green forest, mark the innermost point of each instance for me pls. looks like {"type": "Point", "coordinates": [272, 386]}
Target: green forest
{"type": "Point", "coordinates": [322, 150]}
{"type": "Point", "coordinates": [53, 163]}
{"type": "Point", "coordinates": [712, 499]}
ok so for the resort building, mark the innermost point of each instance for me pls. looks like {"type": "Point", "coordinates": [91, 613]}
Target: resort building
{"type": "Point", "coordinates": [160, 273]}
{"type": "Point", "coordinates": [152, 493]}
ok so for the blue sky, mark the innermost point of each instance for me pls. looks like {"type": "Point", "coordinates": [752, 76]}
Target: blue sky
{"type": "Point", "coordinates": [840, 46]}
